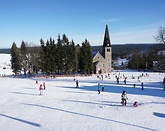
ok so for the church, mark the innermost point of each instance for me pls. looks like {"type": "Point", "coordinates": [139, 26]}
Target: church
{"type": "Point", "coordinates": [103, 62]}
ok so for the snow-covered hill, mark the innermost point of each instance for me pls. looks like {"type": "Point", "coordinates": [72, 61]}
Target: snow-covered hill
{"type": "Point", "coordinates": [63, 107]}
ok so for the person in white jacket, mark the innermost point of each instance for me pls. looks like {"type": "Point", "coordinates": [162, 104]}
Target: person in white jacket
{"type": "Point", "coordinates": [124, 98]}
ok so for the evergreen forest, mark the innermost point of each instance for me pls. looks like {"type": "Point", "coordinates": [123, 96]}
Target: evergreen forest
{"type": "Point", "coordinates": [52, 57]}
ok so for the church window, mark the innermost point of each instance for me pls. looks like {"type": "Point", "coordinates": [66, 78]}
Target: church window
{"type": "Point", "coordinates": [108, 50]}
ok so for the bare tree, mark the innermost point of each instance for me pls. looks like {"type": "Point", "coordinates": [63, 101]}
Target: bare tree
{"type": "Point", "coordinates": [161, 35]}
{"type": "Point", "coordinates": [161, 57]}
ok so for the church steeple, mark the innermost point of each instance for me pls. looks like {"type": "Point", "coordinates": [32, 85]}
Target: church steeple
{"type": "Point", "coordinates": [107, 42]}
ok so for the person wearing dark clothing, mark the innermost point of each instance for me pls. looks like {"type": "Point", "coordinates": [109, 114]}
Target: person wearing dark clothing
{"type": "Point", "coordinates": [98, 88]}
{"type": "Point", "coordinates": [117, 79]}
{"type": "Point", "coordinates": [77, 84]}
{"type": "Point", "coordinates": [102, 88]}
{"type": "Point", "coordinates": [142, 86]}
{"type": "Point", "coordinates": [44, 85]}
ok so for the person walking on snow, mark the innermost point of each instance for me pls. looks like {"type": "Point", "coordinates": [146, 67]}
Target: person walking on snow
{"type": "Point", "coordinates": [44, 85]}
{"type": "Point", "coordinates": [124, 98]}
{"type": "Point", "coordinates": [98, 88]}
{"type": "Point", "coordinates": [142, 86]}
{"type": "Point", "coordinates": [40, 89]}
{"type": "Point", "coordinates": [77, 84]}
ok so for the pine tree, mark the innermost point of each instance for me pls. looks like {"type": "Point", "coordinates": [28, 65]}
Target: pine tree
{"type": "Point", "coordinates": [33, 62]}
{"type": "Point", "coordinates": [15, 59]}
{"type": "Point", "coordinates": [67, 54]}
{"type": "Point", "coordinates": [50, 52]}
{"type": "Point", "coordinates": [86, 64]}
{"type": "Point", "coordinates": [42, 57]}
{"type": "Point", "coordinates": [59, 56]}
{"type": "Point", "coordinates": [73, 58]}
{"type": "Point", "coordinates": [23, 57]}
{"type": "Point", "coordinates": [77, 58]}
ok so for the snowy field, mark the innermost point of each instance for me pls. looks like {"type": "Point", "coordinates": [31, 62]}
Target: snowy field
{"type": "Point", "coordinates": [63, 107]}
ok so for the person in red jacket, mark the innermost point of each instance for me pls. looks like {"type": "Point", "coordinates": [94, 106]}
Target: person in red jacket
{"type": "Point", "coordinates": [40, 89]}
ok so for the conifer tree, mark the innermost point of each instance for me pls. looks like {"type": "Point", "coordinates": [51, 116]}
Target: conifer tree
{"type": "Point", "coordinates": [42, 56]}
{"type": "Point", "coordinates": [50, 52]}
{"type": "Point", "coordinates": [23, 57]}
{"type": "Point", "coordinates": [77, 58]}
{"type": "Point", "coordinates": [66, 54]}
{"type": "Point", "coordinates": [33, 62]}
{"type": "Point", "coordinates": [73, 58]}
{"type": "Point", "coordinates": [59, 56]}
{"type": "Point", "coordinates": [15, 59]}
{"type": "Point", "coordinates": [86, 64]}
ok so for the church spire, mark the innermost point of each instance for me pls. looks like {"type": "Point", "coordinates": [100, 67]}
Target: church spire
{"type": "Point", "coordinates": [107, 42]}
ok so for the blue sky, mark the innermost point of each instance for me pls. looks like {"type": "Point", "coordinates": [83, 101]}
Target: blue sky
{"type": "Point", "coordinates": [129, 21]}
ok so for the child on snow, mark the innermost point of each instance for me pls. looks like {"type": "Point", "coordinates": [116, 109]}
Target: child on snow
{"type": "Point", "coordinates": [40, 89]}
{"type": "Point", "coordinates": [98, 88]}
{"type": "Point", "coordinates": [164, 83]}
{"type": "Point", "coordinates": [135, 104]}
{"type": "Point", "coordinates": [102, 88]}
{"type": "Point", "coordinates": [124, 98]}
{"type": "Point", "coordinates": [142, 86]}
{"type": "Point", "coordinates": [44, 85]}
{"type": "Point", "coordinates": [77, 84]}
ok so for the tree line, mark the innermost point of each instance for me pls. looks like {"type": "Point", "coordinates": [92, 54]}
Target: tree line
{"type": "Point", "coordinates": [144, 60]}
{"type": "Point", "coordinates": [52, 57]}
{"type": "Point", "coordinates": [152, 58]}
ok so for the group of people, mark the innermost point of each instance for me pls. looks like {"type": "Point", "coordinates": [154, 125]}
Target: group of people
{"type": "Point", "coordinates": [124, 99]}
{"type": "Point", "coordinates": [100, 88]}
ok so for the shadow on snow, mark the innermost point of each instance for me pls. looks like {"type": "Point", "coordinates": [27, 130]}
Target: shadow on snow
{"type": "Point", "coordinates": [91, 116]}
{"type": "Point", "coordinates": [21, 120]}
{"type": "Point", "coordinates": [159, 114]}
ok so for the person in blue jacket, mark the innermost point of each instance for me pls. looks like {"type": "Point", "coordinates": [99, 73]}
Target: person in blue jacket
{"type": "Point", "coordinates": [99, 88]}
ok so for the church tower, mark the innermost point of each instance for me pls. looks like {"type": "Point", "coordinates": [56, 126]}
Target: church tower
{"type": "Point", "coordinates": [107, 51]}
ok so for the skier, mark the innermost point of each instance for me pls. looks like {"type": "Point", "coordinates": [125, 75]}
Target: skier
{"type": "Point", "coordinates": [98, 88]}
{"type": "Point", "coordinates": [77, 84]}
{"type": "Point", "coordinates": [124, 98]}
{"type": "Point", "coordinates": [40, 89]}
{"type": "Point", "coordinates": [44, 85]}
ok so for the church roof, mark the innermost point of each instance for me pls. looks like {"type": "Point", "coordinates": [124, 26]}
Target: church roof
{"type": "Point", "coordinates": [107, 42]}
{"type": "Point", "coordinates": [94, 53]}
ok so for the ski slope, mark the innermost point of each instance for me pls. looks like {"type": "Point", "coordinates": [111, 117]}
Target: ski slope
{"type": "Point", "coordinates": [63, 107]}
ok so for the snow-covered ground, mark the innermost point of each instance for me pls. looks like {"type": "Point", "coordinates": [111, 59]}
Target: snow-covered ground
{"type": "Point", "coordinates": [62, 107]}
{"type": "Point", "coordinates": [5, 64]}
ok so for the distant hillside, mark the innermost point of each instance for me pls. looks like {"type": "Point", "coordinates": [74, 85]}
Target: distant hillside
{"type": "Point", "coordinates": [123, 50]}
{"type": "Point", "coordinates": [5, 51]}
